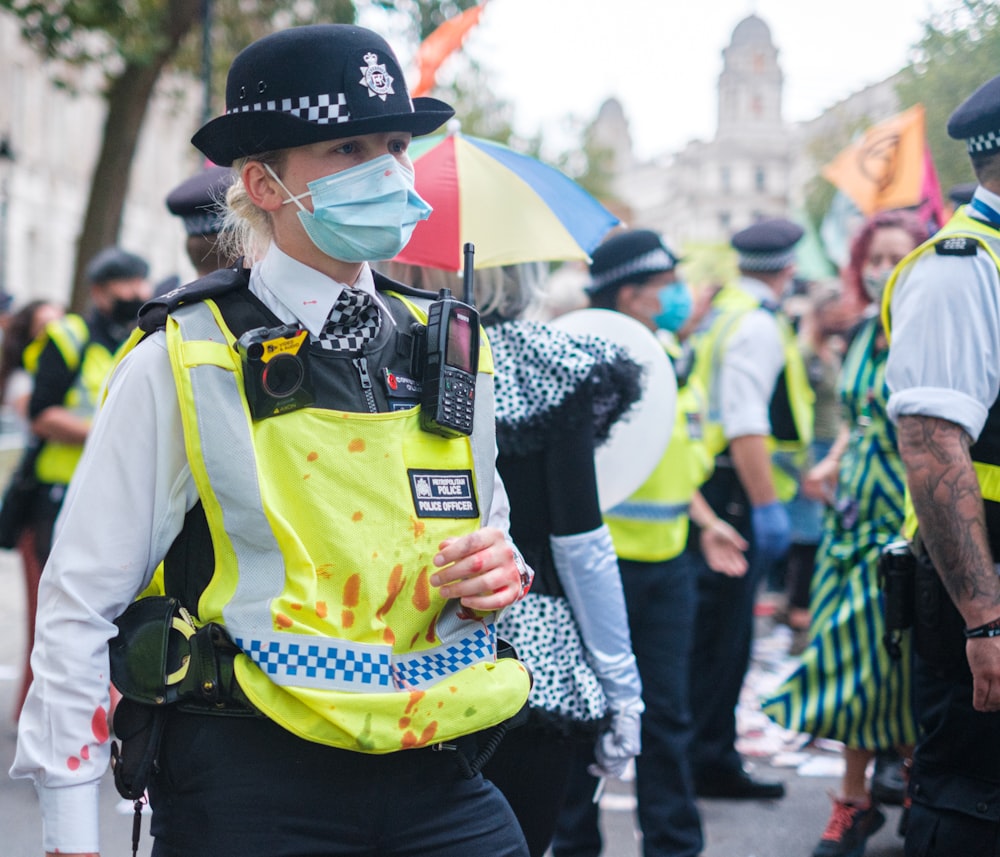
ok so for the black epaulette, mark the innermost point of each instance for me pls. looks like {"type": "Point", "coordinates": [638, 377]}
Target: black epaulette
{"type": "Point", "coordinates": [384, 284]}
{"type": "Point", "coordinates": [956, 246]}
{"type": "Point", "coordinates": [153, 315]}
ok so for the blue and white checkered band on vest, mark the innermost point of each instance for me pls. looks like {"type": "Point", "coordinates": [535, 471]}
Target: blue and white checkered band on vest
{"type": "Point", "coordinates": [353, 321]}
{"type": "Point", "coordinates": [323, 109]}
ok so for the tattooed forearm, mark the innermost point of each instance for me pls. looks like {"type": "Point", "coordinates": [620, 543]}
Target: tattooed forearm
{"type": "Point", "coordinates": [949, 507]}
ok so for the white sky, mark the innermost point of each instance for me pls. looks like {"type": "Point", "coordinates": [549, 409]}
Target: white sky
{"type": "Point", "coordinates": [662, 58]}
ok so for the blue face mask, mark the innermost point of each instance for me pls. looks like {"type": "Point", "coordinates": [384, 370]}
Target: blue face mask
{"type": "Point", "coordinates": [364, 213]}
{"type": "Point", "coordinates": [675, 307]}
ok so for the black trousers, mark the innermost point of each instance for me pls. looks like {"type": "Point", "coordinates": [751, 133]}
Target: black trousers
{"type": "Point", "coordinates": [245, 787]}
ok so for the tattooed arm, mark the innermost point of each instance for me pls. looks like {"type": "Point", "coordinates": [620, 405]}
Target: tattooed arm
{"type": "Point", "coordinates": [949, 507]}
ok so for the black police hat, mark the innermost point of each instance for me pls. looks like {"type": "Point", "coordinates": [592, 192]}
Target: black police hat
{"type": "Point", "coordinates": [767, 246]}
{"type": "Point", "coordinates": [627, 256]}
{"type": "Point", "coordinates": [977, 119]}
{"type": "Point", "coordinates": [113, 263]}
{"type": "Point", "coordinates": [197, 200]}
{"type": "Point", "coordinates": [961, 194]}
{"type": "Point", "coordinates": [308, 84]}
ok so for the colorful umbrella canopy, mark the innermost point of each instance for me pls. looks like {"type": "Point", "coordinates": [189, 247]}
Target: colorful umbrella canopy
{"type": "Point", "coordinates": [512, 207]}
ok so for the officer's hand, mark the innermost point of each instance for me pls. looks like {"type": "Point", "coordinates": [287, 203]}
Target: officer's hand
{"type": "Point", "coordinates": [772, 531]}
{"type": "Point", "coordinates": [820, 482]}
{"type": "Point", "coordinates": [724, 549]}
{"type": "Point", "coordinates": [984, 661]}
{"type": "Point", "coordinates": [618, 745]}
{"type": "Point", "coordinates": [479, 569]}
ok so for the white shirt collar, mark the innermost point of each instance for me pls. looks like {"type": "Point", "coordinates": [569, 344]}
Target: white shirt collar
{"type": "Point", "coordinates": [987, 196]}
{"type": "Point", "coordinates": [293, 291]}
{"type": "Point", "coordinates": [757, 289]}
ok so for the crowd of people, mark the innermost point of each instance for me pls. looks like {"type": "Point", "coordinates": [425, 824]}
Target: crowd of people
{"type": "Point", "coordinates": [337, 537]}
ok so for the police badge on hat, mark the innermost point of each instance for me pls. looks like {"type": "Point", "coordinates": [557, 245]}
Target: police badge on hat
{"type": "Point", "coordinates": [376, 78]}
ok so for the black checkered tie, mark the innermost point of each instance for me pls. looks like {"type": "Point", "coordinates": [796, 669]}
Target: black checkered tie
{"type": "Point", "coordinates": [353, 321]}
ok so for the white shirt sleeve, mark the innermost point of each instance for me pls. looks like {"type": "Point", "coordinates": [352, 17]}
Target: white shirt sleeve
{"type": "Point", "coordinates": [750, 367]}
{"type": "Point", "coordinates": [124, 507]}
{"type": "Point", "coordinates": [944, 357]}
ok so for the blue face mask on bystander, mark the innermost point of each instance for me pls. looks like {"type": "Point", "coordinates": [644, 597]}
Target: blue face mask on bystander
{"type": "Point", "coordinates": [675, 307]}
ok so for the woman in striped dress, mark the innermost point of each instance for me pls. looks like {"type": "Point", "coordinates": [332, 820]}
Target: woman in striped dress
{"type": "Point", "coordinates": [846, 686]}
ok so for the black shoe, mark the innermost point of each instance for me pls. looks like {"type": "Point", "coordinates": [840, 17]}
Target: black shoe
{"type": "Point", "coordinates": [889, 779]}
{"type": "Point", "coordinates": [848, 830]}
{"type": "Point", "coordinates": [737, 785]}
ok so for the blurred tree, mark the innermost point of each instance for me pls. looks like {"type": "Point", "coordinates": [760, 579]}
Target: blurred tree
{"type": "Point", "coordinates": [957, 53]}
{"type": "Point", "coordinates": [134, 41]}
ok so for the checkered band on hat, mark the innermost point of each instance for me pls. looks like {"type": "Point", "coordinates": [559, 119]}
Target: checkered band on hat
{"type": "Point", "coordinates": [208, 223]}
{"type": "Point", "coordinates": [325, 109]}
{"type": "Point", "coordinates": [656, 261]}
{"type": "Point", "coordinates": [984, 142]}
{"type": "Point", "coordinates": [770, 260]}
{"type": "Point", "coordinates": [353, 321]}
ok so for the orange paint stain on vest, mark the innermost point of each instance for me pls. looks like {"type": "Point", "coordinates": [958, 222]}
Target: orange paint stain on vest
{"type": "Point", "coordinates": [357, 516]}
{"type": "Point", "coordinates": [295, 606]}
{"type": "Point", "coordinates": [422, 591]}
{"type": "Point", "coordinates": [321, 609]}
{"type": "Point", "coordinates": [432, 631]}
{"type": "Point", "coordinates": [415, 697]}
{"type": "Point", "coordinates": [389, 637]}
{"type": "Point", "coordinates": [324, 571]}
{"type": "Point", "coordinates": [312, 456]}
{"type": "Point", "coordinates": [306, 475]}
{"type": "Point", "coordinates": [395, 586]}
{"type": "Point", "coordinates": [283, 621]}
{"type": "Point", "coordinates": [410, 740]}
{"type": "Point", "coordinates": [352, 590]}
{"type": "Point", "coordinates": [346, 618]}
{"type": "Point", "coordinates": [418, 527]}
{"type": "Point", "coordinates": [356, 445]}
{"type": "Point", "coordinates": [404, 722]}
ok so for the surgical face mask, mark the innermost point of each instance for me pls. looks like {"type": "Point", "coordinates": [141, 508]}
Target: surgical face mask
{"type": "Point", "coordinates": [875, 284]}
{"type": "Point", "coordinates": [675, 307]}
{"type": "Point", "coordinates": [364, 213]}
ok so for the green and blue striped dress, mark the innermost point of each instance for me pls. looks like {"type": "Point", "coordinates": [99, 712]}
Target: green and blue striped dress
{"type": "Point", "coordinates": [846, 687]}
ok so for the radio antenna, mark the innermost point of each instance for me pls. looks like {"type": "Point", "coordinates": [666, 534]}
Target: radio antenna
{"type": "Point", "coordinates": [469, 250]}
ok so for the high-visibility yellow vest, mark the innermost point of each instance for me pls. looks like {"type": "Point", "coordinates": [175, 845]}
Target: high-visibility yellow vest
{"type": "Point", "coordinates": [57, 461]}
{"type": "Point", "coordinates": [985, 452]}
{"type": "Point", "coordinates": [324, 525]}
{"type": "Point", "coordinates": [791, 406]}
{"type": "Point", "coordinates": [652, 524]}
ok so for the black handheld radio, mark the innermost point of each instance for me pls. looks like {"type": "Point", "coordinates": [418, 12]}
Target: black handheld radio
{"type": "Point", "coordinates": [451, 362]}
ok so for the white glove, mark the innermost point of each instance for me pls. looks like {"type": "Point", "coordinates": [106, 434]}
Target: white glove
{"type": "Point", "coordinates": [618, 745]}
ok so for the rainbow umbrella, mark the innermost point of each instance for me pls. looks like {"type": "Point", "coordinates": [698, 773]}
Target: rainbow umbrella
{"type": "Point", "coordinates": [512, 207]}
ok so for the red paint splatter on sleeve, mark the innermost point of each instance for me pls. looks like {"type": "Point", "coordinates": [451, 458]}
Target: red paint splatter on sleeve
{"type": "Point", "coordinates": [356, 445]}
{"type": "Point", "coordinates": [99, 725]}
{"type": "Point", "coordinates": [321, 609]}
{"type": "Point", "coordinates": [283, 621]}
{"type": "Point", "coordinates": [73, 763]}
{"type": "Point", "coordinates": [422, 591]}
{"type": "Point", "coordinates": [395, 587]}
{"type": "Point", "coordinates": [415, 697]}
{"type": "Point", "coordinates": [352, 590]}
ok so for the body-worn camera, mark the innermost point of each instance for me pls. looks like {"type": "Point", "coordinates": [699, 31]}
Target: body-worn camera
{"type": "Point", "coordinates": [450, 365]}
{"type": "Point", "coordinates": [897, 567]}
{"type": "Point", "coordinates": [275, 375]}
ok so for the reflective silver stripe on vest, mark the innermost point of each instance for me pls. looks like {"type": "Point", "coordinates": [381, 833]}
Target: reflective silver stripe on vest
{"type": "Point", "coordinates": [650, 511]}
{"type": "Point", "coordinates": [300, 660]}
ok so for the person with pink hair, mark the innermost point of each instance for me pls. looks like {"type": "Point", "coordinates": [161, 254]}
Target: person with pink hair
{"type": "Point", "coordinates": [847, 687]}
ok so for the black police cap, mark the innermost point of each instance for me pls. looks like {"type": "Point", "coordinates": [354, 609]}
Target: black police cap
{"type": "Point", "coordinates": [628, 256]}
{"type": "Point", "coordinates": [198, 200]}
{"type": "Point", "coordinates": [768, 245]}
{"type": "Point", "coordinates": [314, 83]}
{"type": "Point", "coordinates": [113, 263]}
{"type": "Point", "coordinates": [977, 119]}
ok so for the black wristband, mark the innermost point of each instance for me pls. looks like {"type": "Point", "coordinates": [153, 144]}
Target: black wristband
{"type": "Point", "coordinates": [990, 629]}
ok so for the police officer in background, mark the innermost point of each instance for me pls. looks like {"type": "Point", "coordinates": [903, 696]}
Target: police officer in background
{"type": "Point", "coordinates": [200, 204]}
{"type": "Point", "coordinates": [72, 365]}
{"type": "Point", "coordinates": [942, 311]}
{"type": "Point", "coordinates": [340, 556]}
{"type": "Point", "coordinates": [759, 426]}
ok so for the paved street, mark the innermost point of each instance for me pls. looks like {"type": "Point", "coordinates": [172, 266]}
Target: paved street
{"type": "Point", "coordinates": [786, 828]}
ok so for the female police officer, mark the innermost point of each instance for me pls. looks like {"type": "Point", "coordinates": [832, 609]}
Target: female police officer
{"type": "Point", "coordinates": [353, 553]}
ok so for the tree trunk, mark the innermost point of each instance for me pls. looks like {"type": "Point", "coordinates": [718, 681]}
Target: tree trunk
{"type": "Point", "coordinates": [128, 97]}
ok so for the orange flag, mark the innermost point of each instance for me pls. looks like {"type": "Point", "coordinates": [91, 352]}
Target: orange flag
{"type": "Point", "coordinates": [440, 44]}
{"type": "Point", "coordinates": [885, 168]}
